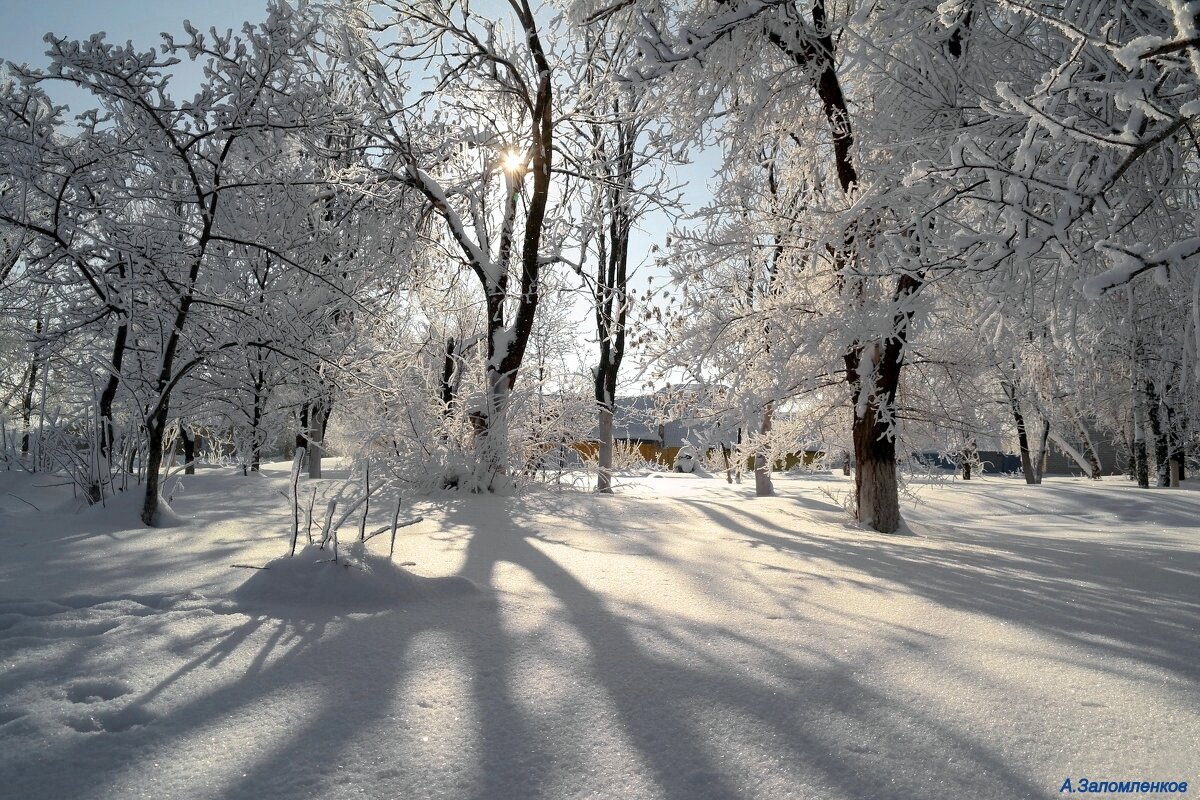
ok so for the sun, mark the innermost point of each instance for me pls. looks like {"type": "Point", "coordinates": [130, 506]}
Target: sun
{"type": "Point", "coordinates": [513, 160]}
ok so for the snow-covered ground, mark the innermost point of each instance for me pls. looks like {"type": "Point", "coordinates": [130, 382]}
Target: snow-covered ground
{"type": "Point", "coordinates": [680, 640]}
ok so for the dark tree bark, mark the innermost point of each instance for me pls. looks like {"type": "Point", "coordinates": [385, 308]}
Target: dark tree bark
{"type": "Point", "coordinates": [449, 367]}
{"type": "Point", "coordinates": [256, 415]}
{"type": "Point", "coordinates": [109, 395]}
{"type": "Point", "coordinates": [811, 48]}
{"type": "Point", "coordinates": [31, 386]}
{"type": "Point", "coordinates": [27, 402]}
{"type": "Point", "coordinates": [1022, 435]}
{"type": "Point", "coordinates": [970, 455]}
{"type": "Point", "coordinates": [878, 495]}
{"type": "Point", "coordinates": [302, 429]}
{"type": "Point", "coordinates": [614, 143]}
{"type": "Point", "coordinates": [189, 450]}
{"type": "Point", "coordinates": [1141, 461]}
{"type": "Point", "coordinates": [611, 308]}
{"type": "Point", "coordinates": [1043, 451]}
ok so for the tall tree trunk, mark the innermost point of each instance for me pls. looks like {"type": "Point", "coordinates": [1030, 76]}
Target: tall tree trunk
{"type": "Point", "coordinates": [878, 497]}
{"type": "Point", "coordinates": [1022, 436]}
{"type": "Point", "coordinates": [491, 432]}
{"type": "Point", "coordinates": [604, 474]}
{"type": "Point", "coordinates": [763, 487]}
{"type": "Point", "coordinates": [189, 450]}
{"type": "Point", "coordinates": [1131, 448]}
{"type": "Point", "coordinates": [256, 415]}
{"type": "Point", "coordinates": [612, 349]}
{"type": "Point", "coordinates": [1094, 468]}
{"type": "Point", "coordinates": [1140, 456]}
{"type": "Point", "coordinates": [109, 395]}
{"type": "Point", "coordinates": [107, 432]}
{"type": "Point", "coordinates": [30, 386]}
{"type": "Point", "coordinates": [873, 393]}
{"type": "Point", "coordinates": [612, 282]}
{"type": "Point", "coordinates": [319, 421]}
{"type": "Point", "coordinates": [970, 455]}
{"type": "Point", "coordinates": [449, 364]}
{"type": "Point", "coordinates": [155, 435]}
{"type": "Point", "coordinates": [1043, 450]}
{"type": "Point", "coordinates": [302, 430]}
{"type": "Point", "coordinates": [877, 491]}
{"type": "Point", "coordinates": [27, 405]}
{"type": "Point", "coordinates": [1174, 447]}
{"type": "Point", "coordinates": [1159, 433]}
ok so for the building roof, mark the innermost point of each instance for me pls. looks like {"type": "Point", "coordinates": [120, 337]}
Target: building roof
{"type": "Point", "coordinates": [660, 419]}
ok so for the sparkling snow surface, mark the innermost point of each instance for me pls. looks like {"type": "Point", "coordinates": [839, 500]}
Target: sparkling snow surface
{"type": "Point", "coordinates": [679, 640]}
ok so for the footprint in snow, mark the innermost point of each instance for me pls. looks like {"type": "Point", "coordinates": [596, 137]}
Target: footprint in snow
{"type": "Point", "coordinates": [113, 720]}
{"type": "Point", "coordinates": [96, 690]}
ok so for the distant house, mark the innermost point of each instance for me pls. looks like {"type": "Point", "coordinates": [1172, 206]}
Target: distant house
{"type": "Point", "coordinates": [656, 426]}
{"type": "Point", "coordinates": [660, 424]}
{"type": "Point", "coordinates": [991, 462]}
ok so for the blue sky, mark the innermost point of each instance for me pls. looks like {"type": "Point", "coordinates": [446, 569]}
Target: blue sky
{"type": "Point", "coordinates": [25, 21]}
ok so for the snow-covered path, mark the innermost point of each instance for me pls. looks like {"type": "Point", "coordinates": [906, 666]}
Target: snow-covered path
{"type": "Point", "coordinates": [680, 640]}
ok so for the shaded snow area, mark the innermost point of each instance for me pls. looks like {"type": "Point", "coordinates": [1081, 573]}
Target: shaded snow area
{"type": "Point", "coordinates": [680, 640]}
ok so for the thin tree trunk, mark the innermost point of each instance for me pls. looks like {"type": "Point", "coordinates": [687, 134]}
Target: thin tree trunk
{"type": "Point", "coordinates": [155, 435]}
{"type": "Point", "coordinates": [1131, 447]}
{"type": "Point", "coordinates": [1092, 460]}
{"type": "Point", "coordinates": [1022, 435]}
{"type": "Point", "coordinates": [604, 474]}
{"type": "Point", "coordinates": [1043, 450]}
{"type": "Point", "coordinates": [1140, 460]}
{"type": "Point", "coordinates": [189, 450]}
{"type": "Point", "coordinates": [319, 420]}
{"type": "Point", "coordinates": [27, 406]}
{"type": "Point", "coordinates": [256, 416]}
{"type": "Point", "coordinates": [1159, 433]}
{"type": "Point", "coordinates": [728, 463]}
{"type": "Point", "coordinates": [969, 455]}
{"type": "Point", "coordinates": [763, 487]}
{"type": "Point", "coordinates": [109, 395]}
{"type": "Point", "coordinates": [302, 431]}
{"type": "Point", "coordinates": [449, 362]}
{"type": "Point", "coordinates": [30, 386]}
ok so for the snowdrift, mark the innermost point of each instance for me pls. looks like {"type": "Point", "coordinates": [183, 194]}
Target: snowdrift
{"type": "Point", "coordinates": [358, 580]}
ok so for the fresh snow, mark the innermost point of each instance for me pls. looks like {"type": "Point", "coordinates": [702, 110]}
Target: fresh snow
{"type": "Point", "coordinates": [679, 640]}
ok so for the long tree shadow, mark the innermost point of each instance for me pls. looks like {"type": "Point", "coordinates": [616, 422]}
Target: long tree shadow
{"type": "Point", "coordinates": [1138, 602]}
{"type": "Point", "coordinates": [690, 719]}
{"type": "Point", "coordinates": [831, 728]}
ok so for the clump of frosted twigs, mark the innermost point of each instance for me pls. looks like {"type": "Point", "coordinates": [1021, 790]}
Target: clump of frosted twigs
{"type": "Point", "coordinates": [329, 529]}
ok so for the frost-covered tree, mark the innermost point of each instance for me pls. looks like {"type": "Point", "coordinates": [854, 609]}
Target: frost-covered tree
{"type": "Point", "coordinates": [847, 90]}
{"type": "Point", "coordinates": [148, 201]}
{"type": "Point", "coordinates": [472, 132]}
{"type": "Point", "coordinates": [618, 149]}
